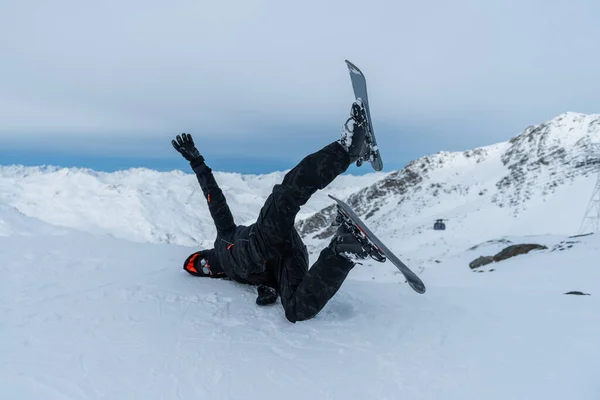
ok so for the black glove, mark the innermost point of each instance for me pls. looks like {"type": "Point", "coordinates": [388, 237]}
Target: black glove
{"type": "Point", "coordinates": [185, 145]}
{"type": "Point", "coordinates": [266, 295]}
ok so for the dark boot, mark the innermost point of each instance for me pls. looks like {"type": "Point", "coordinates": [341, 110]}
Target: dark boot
{"type": "Point", "coordinates": [354, 133]}
{"type": "Point", "coordinates": [346, 245]}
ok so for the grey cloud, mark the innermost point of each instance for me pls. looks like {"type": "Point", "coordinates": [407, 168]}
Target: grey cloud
{"type": "Point", "coordinates": [242, 67]}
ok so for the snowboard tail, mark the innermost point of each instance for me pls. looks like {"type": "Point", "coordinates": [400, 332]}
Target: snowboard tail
{"type": "Point", "coordinates": [373, 245]}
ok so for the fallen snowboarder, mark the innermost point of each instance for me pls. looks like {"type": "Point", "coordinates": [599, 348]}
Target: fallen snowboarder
{"type": "Point", "coordinates": [270, 253]}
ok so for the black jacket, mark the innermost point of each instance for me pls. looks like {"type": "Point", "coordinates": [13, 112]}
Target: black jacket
{"type": "Point", "coordinates": [236, 251]}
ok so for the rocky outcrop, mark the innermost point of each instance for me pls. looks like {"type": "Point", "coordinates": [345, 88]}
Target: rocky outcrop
{"type": "Point", "coordinates": [366, 202]}
{"type": "Point", "coordinates": [317, 221]}
{"type": "Point", "coordinates": [517, 249]}
{"type": "Point", "coordinates": [481, 261]}
{"type": "Point", "coordinates": [508, 252]}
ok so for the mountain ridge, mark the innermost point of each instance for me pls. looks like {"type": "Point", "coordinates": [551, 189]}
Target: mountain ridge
{"type": "Point", "coordinates": [167, 207]}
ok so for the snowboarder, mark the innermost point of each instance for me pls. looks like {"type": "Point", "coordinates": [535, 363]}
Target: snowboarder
{"type": "Point", "coordinates": [270, 253]}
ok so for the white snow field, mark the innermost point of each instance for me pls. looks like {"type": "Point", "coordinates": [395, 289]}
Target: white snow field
{"type": "Point", "coordinates": [95, 317]}
{"type": "Point", "coordinates": [145, 205]}
{"type": "Point", "coordinates": [94, 303]}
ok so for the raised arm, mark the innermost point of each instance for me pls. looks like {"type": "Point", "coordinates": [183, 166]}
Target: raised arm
{"type": "Point", "coordinates": [217, 204]}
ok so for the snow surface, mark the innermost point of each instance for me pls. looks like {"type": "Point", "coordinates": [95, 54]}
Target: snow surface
{"type": "Point", "coordinates": [94, 303]}
{"type": "Point", "coordinates": [93, 317]}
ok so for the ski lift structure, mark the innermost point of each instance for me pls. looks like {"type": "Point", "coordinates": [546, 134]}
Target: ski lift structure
{"type": "Point", "coordinates": [439, 225]}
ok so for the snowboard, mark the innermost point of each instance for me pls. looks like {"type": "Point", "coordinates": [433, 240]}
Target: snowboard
{"type": "Point", "coordinates": [375, 247]}
{"type": "Point", "coordinates": [359, 85]}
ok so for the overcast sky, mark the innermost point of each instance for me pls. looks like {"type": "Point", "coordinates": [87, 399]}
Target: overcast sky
{"type": "Point", "coordinates": [265, 81]}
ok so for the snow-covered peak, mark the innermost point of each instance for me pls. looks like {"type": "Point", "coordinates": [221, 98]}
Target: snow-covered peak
{"type": "Point", "coordinates": [535, 183]}
{"type": "Point", "coordinates": [569, 133]}
{"type": "Point", "coordinates": [547, 155]}
{"type": "Point", "coordinates": [493, 190]}
{"type": "Point", "coordinates": [142, 204]}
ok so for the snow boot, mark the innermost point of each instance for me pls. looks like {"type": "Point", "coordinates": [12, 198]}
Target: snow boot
{"type": "Point", "coordinates": [354, 133]}
{"type": "Point", "coordinates": [346, 245]}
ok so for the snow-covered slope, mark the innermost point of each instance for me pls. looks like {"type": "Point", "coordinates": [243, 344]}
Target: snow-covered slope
{"type": "Point", "coordinates": [537, 183]}
{"type": "Point", "coordinates": [145, 205]}
{"type": "Point", "coordinates": [15, 223]}
{"type": "Point", "coordinates": [88, 317]}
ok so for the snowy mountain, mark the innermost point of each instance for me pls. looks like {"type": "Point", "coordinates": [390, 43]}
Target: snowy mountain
{"type": "Point", "coordinates": [522, 182]}
{"type": "Point", "coordinates": [515, 187]}
{"type": "Point", "coordinates": [145, 205]}
{"type": "Point", "coordinates": [94, 302]}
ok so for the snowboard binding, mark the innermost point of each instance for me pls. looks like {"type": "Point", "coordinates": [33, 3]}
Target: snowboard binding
{"type": "Point", "coordinates": [359, 116]}
{"type": "Point", "coordinates": [357, 136]}
{"type": "Point", "coordinates": [371, 244]}
{"type": "Point", "coordinates": [357, 112]}
{"type": "Point", "coordinates": [349, 226]}
{"type": "Point", "coordinates": [362, 112]}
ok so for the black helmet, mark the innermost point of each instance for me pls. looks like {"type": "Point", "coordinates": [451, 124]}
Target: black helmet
{"type": "Point", "coordinates": [203, 263]}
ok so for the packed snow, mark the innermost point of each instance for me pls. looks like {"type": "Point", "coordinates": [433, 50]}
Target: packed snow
{"type": "Point", "coordinates": [94, 303]}
{"type": "Point", "coordinates": [94, 317]}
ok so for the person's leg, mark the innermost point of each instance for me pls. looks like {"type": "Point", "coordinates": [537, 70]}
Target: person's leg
{"type": "Point", "coordinates": [276, 218]}
{"type": "Point", "coordinates": [314, 172]}
{"type": "Point", "coordinates": [304, 294]}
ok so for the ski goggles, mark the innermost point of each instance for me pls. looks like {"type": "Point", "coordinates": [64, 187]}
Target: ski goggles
{"type": "Point", "coordinates": [201, 268]}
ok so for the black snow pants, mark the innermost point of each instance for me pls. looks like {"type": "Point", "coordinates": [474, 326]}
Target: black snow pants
{"type": "Point", "coordinates": [303, 291]}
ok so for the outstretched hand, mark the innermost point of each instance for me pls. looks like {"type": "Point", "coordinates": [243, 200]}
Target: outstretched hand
{"type": "Point", "coordinates": [266, 295]}
{"type": "Point", "coordinates": [184, 144]}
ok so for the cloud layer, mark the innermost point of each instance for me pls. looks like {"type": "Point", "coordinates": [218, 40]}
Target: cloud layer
{"type": "Point", "coordinates": [462, 72]}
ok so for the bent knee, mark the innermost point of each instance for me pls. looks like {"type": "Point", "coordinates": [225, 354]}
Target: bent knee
{"type": "Point", "coordinates": [293, 316]}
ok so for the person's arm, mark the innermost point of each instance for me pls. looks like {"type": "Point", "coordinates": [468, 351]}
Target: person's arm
{"type": "Point", "coordinates": [217, 204]}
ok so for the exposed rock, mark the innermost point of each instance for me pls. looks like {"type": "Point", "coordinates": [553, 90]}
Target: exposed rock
{"type": "Point", "coordinates": [507, 252]}
{"type": "Point", "coordinates": [481, 261]}
{"type": "Point", "coordinates": [317, 222]}
{"type": "Point", "coordinates": [581, 235]}
{"type": "Point", "coordinates": [516, 250]}
{"type": "Point", "coordinates": [369, 200]}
